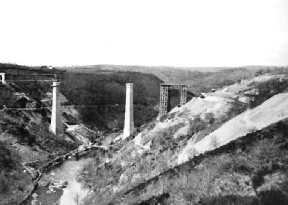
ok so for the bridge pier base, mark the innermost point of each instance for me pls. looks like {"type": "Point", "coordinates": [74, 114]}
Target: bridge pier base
{"type": "Point", "coordinates": [56, 122]}
{"type": "Point", "coordinates": [129, 115]}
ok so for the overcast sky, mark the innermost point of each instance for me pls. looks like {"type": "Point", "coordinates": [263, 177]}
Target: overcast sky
{"type": "Point", "coordinates": [188, 33]}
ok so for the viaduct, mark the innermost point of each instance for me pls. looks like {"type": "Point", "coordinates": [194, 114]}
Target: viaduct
{"type": "Point", "coordinates": [56, 125]}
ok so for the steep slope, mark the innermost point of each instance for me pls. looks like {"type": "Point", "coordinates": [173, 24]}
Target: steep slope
{"type": "Point", "coordinates": [100, 97]}
{"type": "Point", "coordinates": [271, 111]}
{"type": "Point", "coordinates": [249, 170]}
{"type": "Point", "coordinates": [165, 143]}
{"type": "Point", "coordinates": [25, 135]}
{"type": "Point", "coordinates": [13, 182]}
{"type": "Point", "coordinates": [25, 114]}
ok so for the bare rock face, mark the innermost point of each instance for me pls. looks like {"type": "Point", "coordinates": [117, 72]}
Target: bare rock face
{"type": "Point", "coordinates": [123, 179]}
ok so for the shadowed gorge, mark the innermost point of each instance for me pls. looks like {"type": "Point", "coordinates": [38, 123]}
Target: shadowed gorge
{"type": "Point", "coordinates": [101, 97]}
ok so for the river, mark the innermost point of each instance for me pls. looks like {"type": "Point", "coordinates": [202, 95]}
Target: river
{"type": "Point", "coordinates": [73, 194]}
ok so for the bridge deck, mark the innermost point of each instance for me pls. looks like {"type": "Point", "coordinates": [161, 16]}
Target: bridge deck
{"type": "Point", "coordinates": [171, 84]}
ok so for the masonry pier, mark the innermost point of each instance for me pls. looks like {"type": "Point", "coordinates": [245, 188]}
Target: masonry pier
{"type": "Point", "coordinates": [3, 80]}
{"type": "Point", "coordinates": [129, 116]}
{"type": "Point", "coordinates": [56, 115]}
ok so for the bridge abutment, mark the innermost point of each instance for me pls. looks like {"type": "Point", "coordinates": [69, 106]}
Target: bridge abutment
{"type": "Point", "coordinates": [129, 115]}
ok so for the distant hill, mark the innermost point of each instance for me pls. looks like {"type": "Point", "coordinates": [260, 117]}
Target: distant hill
{"type": "Point", "coordinates": [199, 79]}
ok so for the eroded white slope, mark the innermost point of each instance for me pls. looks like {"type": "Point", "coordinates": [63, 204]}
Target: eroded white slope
{"type": "Point", "coordinates": [218, 103]}
{"type": "Point", "coordinates": [219, 106]}
{"type": "Point", "coordinates": [271, 111]}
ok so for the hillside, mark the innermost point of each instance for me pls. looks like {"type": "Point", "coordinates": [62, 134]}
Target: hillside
{"type": "Point", "coordinates": [157, 163]}
{"type": "Point", "coordinates": [100, 97]}
{"type": "Point", "coordinates": [269, 112]}
{"type": "Point", "coordinates": [250, 170]}
{"type": "Point", "coordinates": [24, 130]}
{"type": "Point", "coordinates": [181, 135]}
{"type": "Point", "coordinates": [95, 101]}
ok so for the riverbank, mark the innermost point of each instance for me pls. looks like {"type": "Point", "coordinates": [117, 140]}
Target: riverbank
{"type": "Point", "coordinates": [45, 166]}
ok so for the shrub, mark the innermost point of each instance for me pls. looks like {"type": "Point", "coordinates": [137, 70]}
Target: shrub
{"type": "Point", "coordinates": [197, 124]}
{"type": "Point", "coordinates": [4, 183]}
{"type": "Point", "coordinates": [13, 183]}
{"type": "Point", "coordinates": [210, 117]}
{"type": "Point", "coordinates": [7, 97]}
{"type": "Point", "coordinates": [214, 142]}
{"type": "Point", "coordinates": [6, 160]}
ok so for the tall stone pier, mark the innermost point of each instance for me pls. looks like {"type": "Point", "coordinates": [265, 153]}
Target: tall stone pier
{"type": "Point", "coordinates": [56, 122]}
{"type": "Point", "coordinates": [129, 117]}
{"type": "Point", "coordinates": [3, 80]}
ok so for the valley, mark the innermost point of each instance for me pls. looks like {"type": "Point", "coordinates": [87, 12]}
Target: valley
{"type": "Point", "coordinates": [227, 144]}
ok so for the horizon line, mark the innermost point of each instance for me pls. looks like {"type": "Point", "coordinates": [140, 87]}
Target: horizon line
{"type": "Point", "coordinates": [147, 66]}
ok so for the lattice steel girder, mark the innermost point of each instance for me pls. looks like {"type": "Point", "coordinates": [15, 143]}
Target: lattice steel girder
{"type": "Point", "coordinates": [183, 95]}
{"type": "Point", "coordinates": [163, 99]}
{"type": "Point", "coordinates": [164, 95]}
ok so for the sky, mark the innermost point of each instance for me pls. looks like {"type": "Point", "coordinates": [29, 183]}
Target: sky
{"type": "Point", "coordinates": [180, 33]}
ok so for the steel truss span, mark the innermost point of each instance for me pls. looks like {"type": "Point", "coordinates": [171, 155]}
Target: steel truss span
{"type": "Point", "coordinates": [164, 96]}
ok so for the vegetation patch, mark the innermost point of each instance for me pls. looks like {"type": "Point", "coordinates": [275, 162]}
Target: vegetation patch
{"type": "Point", "coordinates": [249, 170]}
{"type": "Point", "coordinates": [14, 184]}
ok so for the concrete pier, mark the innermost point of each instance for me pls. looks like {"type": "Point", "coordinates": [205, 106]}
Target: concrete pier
{"type": "Point", "coordinates": [56, 123]}
{"type": "Point", "coordinates": [3, 80]}
{"type": "Point", "coordinates": [129, 116]}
